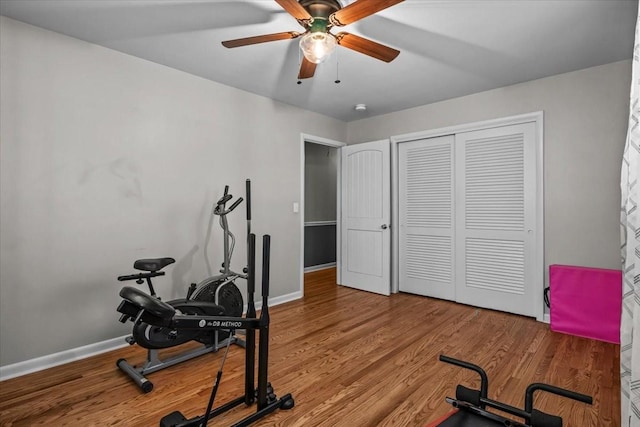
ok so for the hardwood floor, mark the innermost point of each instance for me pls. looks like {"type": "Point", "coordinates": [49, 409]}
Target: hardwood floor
{"type": "Point", "coordinates": [349, 358]}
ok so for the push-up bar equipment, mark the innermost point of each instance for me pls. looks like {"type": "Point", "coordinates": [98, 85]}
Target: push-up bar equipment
{"type": "Point", "coordinates": [471, 406]}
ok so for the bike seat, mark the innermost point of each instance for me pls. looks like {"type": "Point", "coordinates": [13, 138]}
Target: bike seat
{"type": "Point", "coordinates": [152, 264]}
{"type": "Point", "coordinates": [150, 304]}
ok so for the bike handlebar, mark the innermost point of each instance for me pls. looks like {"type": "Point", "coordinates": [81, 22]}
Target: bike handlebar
{"type": "Point", "coordinates": [224, 199]}
{"type": "Point", "coordinates": [220, 209]}
{"type": "Point", "coordinates": [235, 204]}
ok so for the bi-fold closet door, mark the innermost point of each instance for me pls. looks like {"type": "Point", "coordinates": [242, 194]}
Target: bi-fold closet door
{"type": "Point", "coordinates": [467, 216]}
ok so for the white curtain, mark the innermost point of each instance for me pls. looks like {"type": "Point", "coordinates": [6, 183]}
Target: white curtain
{"type": "Point", "coordinates": [630, 229]}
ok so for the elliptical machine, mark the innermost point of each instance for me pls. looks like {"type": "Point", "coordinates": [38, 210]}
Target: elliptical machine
{"type": "Point", "coordinates": [137, 306]}
{"type": "Point", "coordinates": [215, 296]}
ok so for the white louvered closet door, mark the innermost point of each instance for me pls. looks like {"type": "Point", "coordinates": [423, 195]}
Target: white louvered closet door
{"type": "Point", "coordinates": [426, 217]}
{"type": "Point", "coordinates": [495, 218]}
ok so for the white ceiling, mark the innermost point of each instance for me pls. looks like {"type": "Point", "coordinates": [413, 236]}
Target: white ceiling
{"type": "Point", "coordinates": [449, 48]}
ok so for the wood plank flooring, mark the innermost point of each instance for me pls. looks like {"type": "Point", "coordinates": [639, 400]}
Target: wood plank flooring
{"type": "Point", "coordinates": [350, 358]}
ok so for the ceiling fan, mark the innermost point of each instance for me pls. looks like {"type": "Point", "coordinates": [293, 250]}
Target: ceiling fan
{"type": "Point", "coordinates": [317, 42]}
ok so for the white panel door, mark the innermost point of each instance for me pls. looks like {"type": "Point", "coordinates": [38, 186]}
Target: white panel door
{"type": "Point", "coordinates": [495, 218]}
{"type": "Point", "coordinates": [426, 217]}
{"type": "Point", "coordinates": [366, 249]}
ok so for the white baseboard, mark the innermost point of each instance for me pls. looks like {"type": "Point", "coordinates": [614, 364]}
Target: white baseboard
{"type": "Point", "coordinates": [284, 298]}
{"type": "Point", "coordinates": [60, 358]}
{"type": "Point", "coordinates": [319, 267]}
{"type": "Point", "coordinates": [546, 318]}
{"type": "Point", "coordinates": [49, 361]}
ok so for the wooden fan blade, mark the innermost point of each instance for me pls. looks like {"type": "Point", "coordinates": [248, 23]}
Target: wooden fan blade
{"type": "Point", "coordinates": [358, 10]}
{"type": "Point", "coordinates": [260, 39]}
{"type": "Point", "coordinates": [294, 9]}
{"type": "Point", "coordinates": [307, 69]}
{"type": "Point", "coordinates": [366, 46]}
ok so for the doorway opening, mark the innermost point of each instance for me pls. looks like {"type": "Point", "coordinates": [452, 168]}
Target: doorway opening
{"type": "Point", "coordinates": [320, 200]}
{"type": "Point", "coordinates": [320, 211]}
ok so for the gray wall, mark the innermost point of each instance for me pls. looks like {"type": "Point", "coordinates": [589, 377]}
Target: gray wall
{"type": "Point", "coordinates": [319, 245]}
{"type": "Point", "coordinates": [585, 122]}
{"type": "Point", "coordinates": [106, 158]}
{"type": "Point", "coordinates": [321, 166]}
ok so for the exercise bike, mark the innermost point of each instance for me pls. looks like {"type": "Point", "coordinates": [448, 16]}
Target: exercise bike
{"type": "Point", "coordinates": [215, 296]}
{"type": "Point", "coordinates": [470, 406]}
{"type": "Point", "coordinates": [138, 307]}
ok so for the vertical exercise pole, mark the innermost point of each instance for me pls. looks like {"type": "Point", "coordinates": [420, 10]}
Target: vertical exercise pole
{"type": "Point", "coordinates": [248, 194]}
{"type": "Point", "coordinates": [250, 356]}
{"type": "Point", "coordinates": [263, 351]}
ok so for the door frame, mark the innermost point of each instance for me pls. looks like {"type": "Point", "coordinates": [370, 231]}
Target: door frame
{"type": "Point", "coordinates": [535, 117]}
{"type": "Point", "coordinates": [334, 144]}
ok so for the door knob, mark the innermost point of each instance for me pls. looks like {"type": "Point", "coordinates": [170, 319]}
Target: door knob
{"type": "Point", "coordinates": [384, 226]}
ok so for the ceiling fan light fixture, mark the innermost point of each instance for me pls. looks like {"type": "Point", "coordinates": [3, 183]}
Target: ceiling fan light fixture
{"type": "Point", "coordinates": [318, 18]}
{"type": "Point", "coordinates": [317, 46]}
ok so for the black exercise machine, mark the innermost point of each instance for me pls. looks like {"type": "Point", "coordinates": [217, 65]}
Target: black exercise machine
{"type": "Point", "coordinates": [471, 405]}
{"type": "Point", "coordinates": [215, 296]}
{"type": "Point", "coordinates": [138, 306]}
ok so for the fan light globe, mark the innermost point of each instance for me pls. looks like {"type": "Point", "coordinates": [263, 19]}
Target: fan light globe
{"type": "Point", "coordinates": [317, 46]}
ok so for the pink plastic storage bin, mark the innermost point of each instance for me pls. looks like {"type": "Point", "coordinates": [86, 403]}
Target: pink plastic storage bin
{"type": "Point", "coordinates": [586, 302]}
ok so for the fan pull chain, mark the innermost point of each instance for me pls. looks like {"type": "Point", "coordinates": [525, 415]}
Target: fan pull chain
{"type": "Point", "coordinates": [337, 68]}
{"type": "Point", "coordinates": [299, 64]}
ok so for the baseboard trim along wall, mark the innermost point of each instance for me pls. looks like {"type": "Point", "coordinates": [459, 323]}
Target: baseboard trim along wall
{"type": "Point", "coordinates": [319, 267]}
{"type": "Point", "coordinates": [60, 358]}
{"type": "Point", "coordinates": [67, 356]}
